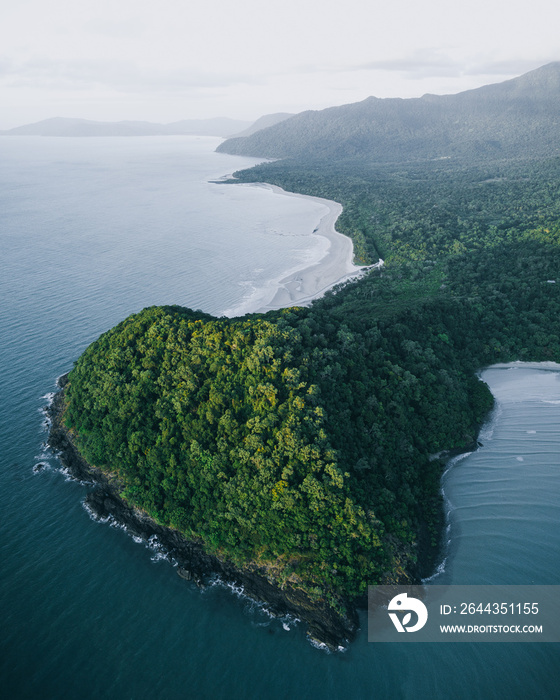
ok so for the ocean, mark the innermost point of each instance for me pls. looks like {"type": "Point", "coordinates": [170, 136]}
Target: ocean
{"type": "Point", "coordinates": [95, 229]}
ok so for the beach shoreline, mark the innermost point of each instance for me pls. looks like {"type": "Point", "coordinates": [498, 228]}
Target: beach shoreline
{"type": "Point", "coordinates": [310, 280]}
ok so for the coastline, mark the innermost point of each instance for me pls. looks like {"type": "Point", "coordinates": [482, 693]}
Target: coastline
{"type": "Point", "coordinates": [301, 285]}
{"type": "Point", "coordinates": [326, 628]}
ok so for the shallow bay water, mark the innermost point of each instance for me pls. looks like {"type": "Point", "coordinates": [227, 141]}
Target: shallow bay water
{"type": "Point", "coordinates": [95, 229]}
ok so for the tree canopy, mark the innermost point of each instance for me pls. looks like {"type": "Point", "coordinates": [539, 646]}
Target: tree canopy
{"type": "Point", "coordinates": [304, 440]}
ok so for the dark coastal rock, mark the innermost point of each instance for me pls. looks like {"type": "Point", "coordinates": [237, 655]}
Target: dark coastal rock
{"type": "Point", "coordinates": [325, 625]}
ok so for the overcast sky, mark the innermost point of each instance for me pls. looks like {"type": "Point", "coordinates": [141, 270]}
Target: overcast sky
{"type": "Point", "coordinates": [164, 60]}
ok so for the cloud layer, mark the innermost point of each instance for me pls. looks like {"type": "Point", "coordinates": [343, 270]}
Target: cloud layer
{"type": "Point", "coordinates": [135, 59]}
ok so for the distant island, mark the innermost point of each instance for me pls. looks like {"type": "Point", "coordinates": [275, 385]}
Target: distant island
{"type": "Point", "coordinates": [300, 451]}
{"type": "Point", "coordinates": [59, 126]}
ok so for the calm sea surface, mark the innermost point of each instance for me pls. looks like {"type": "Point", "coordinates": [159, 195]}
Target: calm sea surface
{"type": "Point", "coordinates": [92, 230]}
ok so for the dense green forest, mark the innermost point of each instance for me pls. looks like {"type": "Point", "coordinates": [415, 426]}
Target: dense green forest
{"type": "Point", "coordinates": [305, 441]}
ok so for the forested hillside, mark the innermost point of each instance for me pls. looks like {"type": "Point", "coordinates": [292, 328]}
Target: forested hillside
{"type": "Point", "coordinates": [302, 440]}
{"type": "Point", "coordinates": [513, 119]}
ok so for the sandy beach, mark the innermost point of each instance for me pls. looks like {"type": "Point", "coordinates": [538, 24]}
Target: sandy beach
{"type": "Point", "coordinates": [333, 265]}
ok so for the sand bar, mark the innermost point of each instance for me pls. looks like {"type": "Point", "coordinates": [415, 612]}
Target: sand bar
{"type": "Point", "coordinates": [333, 265]}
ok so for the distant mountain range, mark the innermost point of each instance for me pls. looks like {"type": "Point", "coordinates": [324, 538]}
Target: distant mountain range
{"type": "Point", "coordinates": [519, 117]}
{"type": "Point", "coordinates": [60, 126]}
{"type": "Point", "coordinates": [264, 123]}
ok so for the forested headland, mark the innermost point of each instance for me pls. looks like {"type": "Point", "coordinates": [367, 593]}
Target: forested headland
{"type": "Point", "coordinates": [305, 442]}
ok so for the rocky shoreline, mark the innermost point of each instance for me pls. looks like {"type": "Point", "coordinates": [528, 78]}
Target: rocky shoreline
{"type": "Point", "coordinates": [324, 625]}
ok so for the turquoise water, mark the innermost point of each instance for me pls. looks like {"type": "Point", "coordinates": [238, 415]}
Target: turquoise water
{"type": "Point", "coordinates": [95, 229]}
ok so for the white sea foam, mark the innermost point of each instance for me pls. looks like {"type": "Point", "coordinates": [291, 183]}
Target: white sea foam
{"type": "Point", "coordinates": [521, 364]}
{"type": "Point", "coordinates": [487, 431]}
{"type": "Point", "coordinates": [255, 606]}
{"type": "Point", "coordinates": [66, 472]}
{"type": "Point", "coordinates": [94, 516]}
{"type": "Point", "coordinates": [160, 553]}
{"type": "Point", "coordinates": [236, 589]}
{"type": "Point", "coordinates": [453, 461]}
{"type": "Point", "coordinates": [47, 421]}
{"type": "Point", "coordinates": [439, 570]}
{"type": "Point", "coordinates": [448, 509]}
{"type": "Point", "coordinates": [41, 466]}
{"type": "Point", "coordinates": [45, 454]}
{"type": "Point", "coordinates": [323, 647]}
